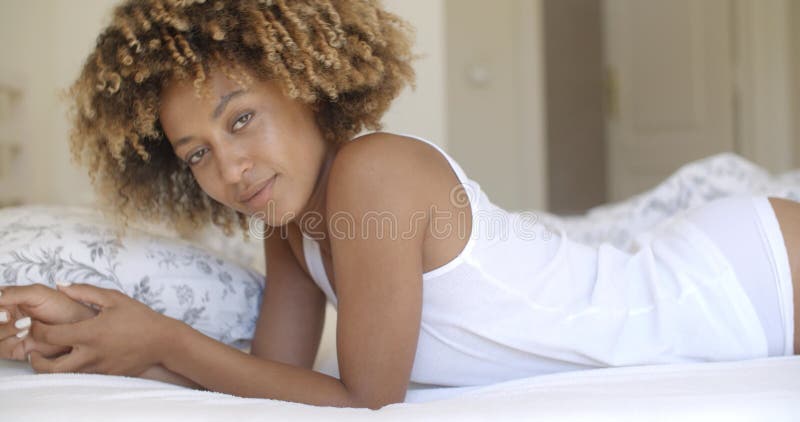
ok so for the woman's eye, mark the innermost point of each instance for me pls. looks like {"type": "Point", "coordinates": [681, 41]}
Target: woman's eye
{"type": "Point", "coordinates": [196, 156]}
{"type": "Point", "coordinates": [242, 121]}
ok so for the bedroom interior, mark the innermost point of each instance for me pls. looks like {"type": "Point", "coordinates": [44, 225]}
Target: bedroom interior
{"type": "Point", "coordinates": [571, 102]}
{"type": "Point", "coordinates": [606, 116]}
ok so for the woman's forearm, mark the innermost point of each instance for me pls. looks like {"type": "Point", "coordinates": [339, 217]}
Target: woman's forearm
{"type": "Point", "coordinates": [160, 373]}
{"type": "Point", "coordinates": [225, 369]}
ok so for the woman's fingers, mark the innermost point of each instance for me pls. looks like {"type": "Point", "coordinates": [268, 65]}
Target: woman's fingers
{"type": "Point", "coordinates": [45, 304]}
{"type": "Point", "coordinates": [75, 361]}
{"type": "Point", "coordinates": [13, 324]}
{"type": "Point", "coordinates": [12, 348]}
{"type": "Point", "coordinates": [6, 323]}
{"type": "Point", "coordinates": [32, 295]}
{"type": "Point", "coordinates": [89, 294]}
{"type": "Point", "coordinates": [58, 335]}
{"type": "Point", "coordinates": [16, 348]}
{"type": "Point", "coordinates": [48, 350]}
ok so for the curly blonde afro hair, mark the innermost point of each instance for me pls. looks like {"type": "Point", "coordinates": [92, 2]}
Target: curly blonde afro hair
{"type": "Point", "coordinates": [348, 59]}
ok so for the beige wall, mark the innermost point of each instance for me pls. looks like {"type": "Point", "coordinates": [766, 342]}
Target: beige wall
{"type": "Point", "coordinates": [43, 43]}
{"type": "Point", "coordinates": [422, 111]}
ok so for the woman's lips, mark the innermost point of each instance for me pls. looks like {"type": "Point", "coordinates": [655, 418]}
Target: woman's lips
{"type": "Point", "coordinates": [259, 201]}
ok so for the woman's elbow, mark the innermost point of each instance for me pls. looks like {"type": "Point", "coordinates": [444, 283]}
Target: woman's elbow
{"type": "Point", "coordinates": [375, 402]}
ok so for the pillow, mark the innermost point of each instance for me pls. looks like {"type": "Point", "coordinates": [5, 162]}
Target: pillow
{"type": "Point", "coordinates": [247, 251]}
{"type": "Point", "coordinates": [40, 244]}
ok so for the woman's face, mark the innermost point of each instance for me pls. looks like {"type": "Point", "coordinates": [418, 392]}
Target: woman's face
{"type": "Point", "coordinates": [252, 149]}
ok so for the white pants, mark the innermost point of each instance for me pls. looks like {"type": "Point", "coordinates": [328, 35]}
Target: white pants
{"type": "Point", "coordinates": [747, 232]}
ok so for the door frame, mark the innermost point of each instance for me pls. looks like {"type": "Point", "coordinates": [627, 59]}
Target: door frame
{"type": "Point", "coordinates": [763, 59]}
{"type": "Point", "coordinates": [531, 99]}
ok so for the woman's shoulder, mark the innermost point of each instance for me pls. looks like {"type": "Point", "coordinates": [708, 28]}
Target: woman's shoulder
{"type": "Point", "coordinates": [389, 157]}
{"type": "Point", "coordinates": [386, 148]}
{"type": "Point", "coordinates": [387, 165]}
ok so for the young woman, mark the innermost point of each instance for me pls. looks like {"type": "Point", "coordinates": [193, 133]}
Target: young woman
{"type": "Point", "coordinates": [217, 111]}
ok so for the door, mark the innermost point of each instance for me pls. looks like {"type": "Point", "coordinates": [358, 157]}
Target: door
{"type": "Point", "coordinates": [495, 95]}
{"type": "Point", "coordinates": [670, 88]}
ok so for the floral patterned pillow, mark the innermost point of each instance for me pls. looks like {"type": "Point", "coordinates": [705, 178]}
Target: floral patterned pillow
{"type": "Point", "coordinates": [40, 244]}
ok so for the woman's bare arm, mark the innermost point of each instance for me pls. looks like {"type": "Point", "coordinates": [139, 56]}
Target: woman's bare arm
{"type": "Point", "coordinates": [292, 313]}
{"type": "Point", "coordinates": [159, 373]}
{"type": "Point", "coordinates": [290, 322]}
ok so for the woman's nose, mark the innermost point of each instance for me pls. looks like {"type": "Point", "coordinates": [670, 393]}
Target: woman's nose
{"type": "Point", "coordinates": [233, 164]}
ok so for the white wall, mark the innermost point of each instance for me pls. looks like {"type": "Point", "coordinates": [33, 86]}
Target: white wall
{"type": "Point", "coordinates": [43, 44]}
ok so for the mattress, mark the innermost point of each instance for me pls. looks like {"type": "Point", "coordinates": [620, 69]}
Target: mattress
{"type": "Point", "coordinates": [757, 390]}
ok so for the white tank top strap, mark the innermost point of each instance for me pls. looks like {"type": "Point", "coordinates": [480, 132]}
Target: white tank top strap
{"type": "Point", "coordinates": [313, 258]}
{"type": "Point", "coordinates": [472, 188]}
{"type": "Point", "coordinates": [473, 192]}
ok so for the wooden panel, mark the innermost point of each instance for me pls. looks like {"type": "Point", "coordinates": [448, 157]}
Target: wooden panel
{"type": "Point", "coordinates": [672, 68]}
{"type": "Point", "coordinates": [666, 75]}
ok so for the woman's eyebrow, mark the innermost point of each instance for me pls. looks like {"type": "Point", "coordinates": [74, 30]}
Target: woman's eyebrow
{"type": "Point", "coordinates": [224, 100]}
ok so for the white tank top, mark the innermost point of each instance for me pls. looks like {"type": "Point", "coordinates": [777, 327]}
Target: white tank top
{"type": "Point", "coordinates": [523, 299]}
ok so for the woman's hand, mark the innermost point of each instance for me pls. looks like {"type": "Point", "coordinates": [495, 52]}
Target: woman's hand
{"type": "Point", "coordinates": [125, 337]}
{"type": "Point", "coordinates": [21, 304]}
{"type": "Point", "coordinates": [12, 339]}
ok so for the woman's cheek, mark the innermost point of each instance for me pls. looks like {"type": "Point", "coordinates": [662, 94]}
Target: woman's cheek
{"type": "Point", "coordinates": [214, 190]}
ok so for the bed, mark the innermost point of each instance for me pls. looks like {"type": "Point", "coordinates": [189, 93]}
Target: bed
{"type": "Point", "coordinates": [758, 390]}
{"type": "Point", "coordinates": [764, 389]}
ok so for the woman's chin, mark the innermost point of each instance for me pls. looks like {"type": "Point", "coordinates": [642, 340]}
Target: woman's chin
{"type": "Point", "coordinates": [273, 216]}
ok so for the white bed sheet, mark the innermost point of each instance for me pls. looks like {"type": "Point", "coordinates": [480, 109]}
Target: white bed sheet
{"type": "Point", "coordinates": [757, 390]}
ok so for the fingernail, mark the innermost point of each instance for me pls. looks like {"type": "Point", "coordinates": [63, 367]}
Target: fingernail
{"type": "Point", "coordinates": [22, 333]}
{"type": "Point", "coordinates": [63, 283]}
{"type": "Point", "coordinates": [3, 317]}
{"type": "Point", "coordinates": [28, 356]}
{"type": "Point", "coordinates": [23, 323]}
